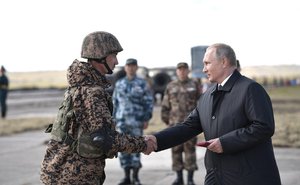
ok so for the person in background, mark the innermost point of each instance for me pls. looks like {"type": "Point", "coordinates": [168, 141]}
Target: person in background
{"type": "Point", "coordinates": [180, 98]}
{"type": "Point", "coordinates": [4, 82]}
{"type": "Point", "coordinates": [83, 134]}
{"type": "Point", "coordinates": [237, 119]}
{"type": "Point", "coordinates": [133, 105]}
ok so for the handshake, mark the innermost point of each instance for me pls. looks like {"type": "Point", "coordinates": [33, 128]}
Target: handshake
{"type": "Point", "coordinates": [151, 144]}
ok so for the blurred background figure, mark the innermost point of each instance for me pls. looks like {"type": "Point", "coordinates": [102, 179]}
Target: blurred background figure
{"type": "Point", "coordinates": [133, 105]}
{"type": "Point", "coordinates": [180, 98]}
{"type": "Point", "coordinates": [4, 82]}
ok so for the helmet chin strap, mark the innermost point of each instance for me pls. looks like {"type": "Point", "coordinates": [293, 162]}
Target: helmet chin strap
{"type": "Point", "coordinates": [103, 61]}
{"type": "Point", "coordinates": [109, 71]}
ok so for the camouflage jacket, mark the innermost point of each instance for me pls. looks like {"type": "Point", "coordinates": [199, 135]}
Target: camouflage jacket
{"type": "Point", "coordinates": [133, 102]}
{"type": "Point", "coordinates": [180, 98]}
{"type": "Point", "coordinates": [93, 110]}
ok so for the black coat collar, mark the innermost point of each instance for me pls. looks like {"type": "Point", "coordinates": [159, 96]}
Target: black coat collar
{"type": "Point", "coordinates": [229, 84]}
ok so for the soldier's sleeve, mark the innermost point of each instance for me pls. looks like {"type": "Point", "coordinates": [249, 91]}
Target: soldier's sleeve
{"type": "Point", "coordinates": [95, 115]}
{"type": "Point", "coordinates": [128, 144]}
{"type": "Point", "coordinates": [166, 106]}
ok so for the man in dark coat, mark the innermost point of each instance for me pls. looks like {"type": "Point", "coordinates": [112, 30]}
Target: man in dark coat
{"type": "Point", "coordinates": [237, 121]}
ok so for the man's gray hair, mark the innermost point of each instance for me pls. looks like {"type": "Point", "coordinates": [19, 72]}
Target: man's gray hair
{"type": "Point", "coordinates": [224, 50]}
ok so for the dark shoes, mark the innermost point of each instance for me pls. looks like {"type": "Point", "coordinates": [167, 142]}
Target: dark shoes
{"type": "Point", "coordinates": [136, 182]}
{"type": "Point", "coordinates": [178, 182]}
{"type": "Point", "coordinates": [190, 178]}
{"type": "Point", "coordinates": [125, 181]}
{"type": "Point", "coordinates": [135, 177]}
{"type": "Point", "coordinates": [179, 179]}
{"type": "Point", "coordinates": [191, 183]}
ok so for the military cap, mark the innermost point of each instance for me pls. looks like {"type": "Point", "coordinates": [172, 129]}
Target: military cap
{"type": "Point", "coordinates": [131, 61]}
{"type": "Point", "coordinates": [182, 64]}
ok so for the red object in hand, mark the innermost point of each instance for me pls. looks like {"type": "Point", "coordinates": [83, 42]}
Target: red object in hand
{"type": "Point", "coordinates": [203, 143]}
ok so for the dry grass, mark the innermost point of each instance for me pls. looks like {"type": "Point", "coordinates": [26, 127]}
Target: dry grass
{"type": "Point", "coordinates": [286, 105]}
{"type": "Point", "coordinates": [31, 80]}
{"type": "Point", "coordinates": [12, 126]}
{"type": "Point", "coordinates": [57, 79]}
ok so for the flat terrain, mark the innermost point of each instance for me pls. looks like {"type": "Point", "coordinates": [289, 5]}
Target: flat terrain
{"type": "Point", "coordinates": [21, 154]}
{"type": "Point", "coordinates": [33, 103]}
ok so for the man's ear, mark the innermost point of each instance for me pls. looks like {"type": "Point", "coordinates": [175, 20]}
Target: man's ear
{"type": "Point", "coordinates": [225, 62]}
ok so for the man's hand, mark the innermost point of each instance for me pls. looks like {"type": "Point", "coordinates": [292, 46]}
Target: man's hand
{"type": "Point", "coordinates": [151, 144]}
{"type": "Point", "coordinates": [215, 146]}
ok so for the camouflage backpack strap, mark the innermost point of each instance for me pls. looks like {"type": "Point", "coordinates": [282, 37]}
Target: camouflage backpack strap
{"type": "Point", "coordinates": [59, 129]}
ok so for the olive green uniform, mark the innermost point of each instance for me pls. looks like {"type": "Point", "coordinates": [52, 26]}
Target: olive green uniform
{"type": "Point", "coordinates": [180, 98]}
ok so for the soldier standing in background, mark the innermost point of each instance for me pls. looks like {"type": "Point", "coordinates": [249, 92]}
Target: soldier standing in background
{"type": "Point", "coordinates": [4, 82]}
{"type": "Point", "coordinates": [84, 136]}
{"type": "Point", "coordinates": [180, 98]}
{"type": "Point", "coordinates": [133, 105]}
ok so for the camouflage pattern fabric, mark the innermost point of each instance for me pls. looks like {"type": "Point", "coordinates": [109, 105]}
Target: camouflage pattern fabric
{"type": "Point", "coordinates": [189, 161]}
{"type": "Point", "coordinates": [100, 44]}
{"type": "Point", "coordinates": [180, 98]}
{"type": "Point", "coordinates": [93, 110]}
{"type": "Point", "coordinates": [131, 160]}
{"type": "Point", "coordinates": [133, 105]}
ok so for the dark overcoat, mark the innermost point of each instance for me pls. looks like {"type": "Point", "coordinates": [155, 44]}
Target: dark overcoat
{"type": "Point", "coordinates": [244, 122]}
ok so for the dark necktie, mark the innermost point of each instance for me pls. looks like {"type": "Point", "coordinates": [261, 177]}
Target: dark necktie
{"type": "Point", "coordinates": [220, 87]}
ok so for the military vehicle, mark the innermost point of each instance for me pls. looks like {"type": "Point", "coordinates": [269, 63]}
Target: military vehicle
{"type": "Point", "coordinates": [160, 78]}
{"type": "Point", "coordinates": [197, 54]}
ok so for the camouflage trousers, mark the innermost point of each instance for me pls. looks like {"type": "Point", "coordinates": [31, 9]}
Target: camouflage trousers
{"type": "Point", "coordinates": [132, 160]}
{"type": "Point", "coordinates": [188, 150]}
{"type": "Point", "coordinates": [61, 166]}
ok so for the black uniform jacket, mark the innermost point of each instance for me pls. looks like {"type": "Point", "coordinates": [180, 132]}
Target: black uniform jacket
{"type": "Point", "coordinates": [244, 122]}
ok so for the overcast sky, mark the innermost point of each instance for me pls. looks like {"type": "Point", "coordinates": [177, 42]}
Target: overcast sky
{"type": "Point", "coordinates": [47, 35]}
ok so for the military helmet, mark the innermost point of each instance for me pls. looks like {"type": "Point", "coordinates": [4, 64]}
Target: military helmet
{"type": "Point", "coordinates": [100, 44]}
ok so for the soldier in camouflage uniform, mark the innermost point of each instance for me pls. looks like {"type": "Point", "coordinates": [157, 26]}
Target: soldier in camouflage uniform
{"type": "Point", "coordinates": [133, 104]}
{"type": "Point", "coordinates": [180, 98]}
{"type": "Point", "coordinates": [74, 159]}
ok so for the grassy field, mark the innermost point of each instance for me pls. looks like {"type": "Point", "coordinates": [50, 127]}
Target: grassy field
{"type": "Point", "coordinates": [286, 104]}
{"type": "Point", "coordinates": [39, 79]}
{"type": "Point", "coordinates": [57, 79]}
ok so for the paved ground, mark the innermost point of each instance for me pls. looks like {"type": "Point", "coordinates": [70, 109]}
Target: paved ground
{"type": "Point", "coordinates": [21, 154]}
